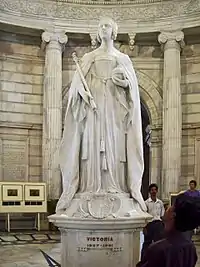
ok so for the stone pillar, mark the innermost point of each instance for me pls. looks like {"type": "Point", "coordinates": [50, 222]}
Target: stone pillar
{"type": "Point", "coordinates": [172, 113]}
{"type": "Point", "coordinates": [54, 42]}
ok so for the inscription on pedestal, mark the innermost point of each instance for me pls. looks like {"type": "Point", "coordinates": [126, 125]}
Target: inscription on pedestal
{"type": "Point", "coordinates": [100, 242]}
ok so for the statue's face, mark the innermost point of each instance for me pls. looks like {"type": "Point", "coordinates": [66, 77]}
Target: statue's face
{"type": "Point", "coordinates": [105, 30]}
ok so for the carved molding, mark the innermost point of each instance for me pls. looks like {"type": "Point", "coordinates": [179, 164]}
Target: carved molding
{"type": "Point", "coordinates": [21, 125]}
{"type": "Point", "coordinates": [41, 13]}
{"type": "Point", "coordinates": [90, 2]}
{"type": "Point", "coordinates": [131, 40]}
{"type": "Point", "coordinates": [93, 37]}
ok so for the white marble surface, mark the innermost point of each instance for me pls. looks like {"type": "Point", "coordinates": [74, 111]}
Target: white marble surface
{"type": "Point", "coordinates": [102, 149]}
{"type": "Point", "coordinates": [53, 41]}
{"type": "Point", "coordinates": [96, 248]}
{"type": "Point", "coordinates": [172, 43]}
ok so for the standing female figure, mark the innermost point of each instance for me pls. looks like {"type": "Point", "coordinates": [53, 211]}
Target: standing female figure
{"type": "Point", "coordinates": [102, 149]}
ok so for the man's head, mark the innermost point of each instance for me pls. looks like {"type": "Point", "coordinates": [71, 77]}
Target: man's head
{"type": "Point", "coordinates": [153, 190]}
{"type": "Point", "coordinates": [192, 184]}
{"type": "Point", "coordinates": [184, 215]}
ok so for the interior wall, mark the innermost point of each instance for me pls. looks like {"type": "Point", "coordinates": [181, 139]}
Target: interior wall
{"type": "Point", "coordinates": [190, 87]}
{"type": "Point", "coordinates": [21, 78]}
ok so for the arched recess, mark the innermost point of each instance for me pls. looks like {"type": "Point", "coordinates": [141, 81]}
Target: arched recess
{"type": "Point", "coordinates": [151, 112]}
{"type": "Point", "coordinates": [151, 97]}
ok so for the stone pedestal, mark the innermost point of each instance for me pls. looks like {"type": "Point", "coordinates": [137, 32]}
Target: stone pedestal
{"type": "Point", "coordinates": [101, 230]}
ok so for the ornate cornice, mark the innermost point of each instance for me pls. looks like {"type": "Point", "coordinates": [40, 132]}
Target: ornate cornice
{"type": "Point", "coordinates": [86, 11]}
{"type": "Point", "coordinates": [119, 2]}
{"type": "Point", "coordinates": [73, 17]}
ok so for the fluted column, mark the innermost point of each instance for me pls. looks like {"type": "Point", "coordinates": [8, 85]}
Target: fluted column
{"type": "Point", "coordinates": [172, 43]}
{"type": "Point", "coordinates": [54, 42]}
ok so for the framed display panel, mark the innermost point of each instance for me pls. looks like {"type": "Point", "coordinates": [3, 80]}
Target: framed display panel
{"type": "Point", "coordinates": [173, 197]}
{"type": "Point", "coordinates": [12, 192]}
{"type": "Point", "coordinates": [34, 192]}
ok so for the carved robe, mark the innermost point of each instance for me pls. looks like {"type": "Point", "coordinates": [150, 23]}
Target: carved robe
{"type": "Point", "coordinates": [102, 150]}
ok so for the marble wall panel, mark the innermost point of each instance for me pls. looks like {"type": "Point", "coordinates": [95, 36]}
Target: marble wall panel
{"type": "Point", "coordinates": [21, 154]}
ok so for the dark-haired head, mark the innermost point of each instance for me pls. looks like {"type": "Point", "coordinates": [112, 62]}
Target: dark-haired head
{"type": "Point", "coordinates": [153, 186]}
{"type": "Point", "coordinates": [184, 215]}
{"type": "Point", "coordinates": [193, 184]}
{"type": "Point", "coordinates": [153, 190]}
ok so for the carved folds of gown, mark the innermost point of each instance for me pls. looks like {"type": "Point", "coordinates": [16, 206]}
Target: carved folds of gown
{"type": "Point", "coordinates": [101, 151]}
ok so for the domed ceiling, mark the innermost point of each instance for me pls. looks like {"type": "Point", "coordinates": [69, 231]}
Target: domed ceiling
{"type": "Point", "coordinates": [82, 15]}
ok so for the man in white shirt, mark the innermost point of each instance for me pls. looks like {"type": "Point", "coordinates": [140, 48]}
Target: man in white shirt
{"type": "Point", "coordinates": [154, 230]}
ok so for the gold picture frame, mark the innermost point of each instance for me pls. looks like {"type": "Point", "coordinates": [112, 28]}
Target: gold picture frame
{"type": "Point", "coordinates": [12, 192]}
{"type": "Point", "coordinates": [34, 192]}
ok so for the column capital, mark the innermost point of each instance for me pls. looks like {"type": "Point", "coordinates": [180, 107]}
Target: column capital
{"type": "Point", "coordinates": [131, 37]}
{"type": "Point", "coordinates": [171, 38]}
{"type": "Point", "coordinates": [54, 36]}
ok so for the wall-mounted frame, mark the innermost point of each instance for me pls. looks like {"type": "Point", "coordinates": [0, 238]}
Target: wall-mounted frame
{"type": "Point", "coordinates": [12, 192]}
{"type": "Point", "coordinates": [34, 192]}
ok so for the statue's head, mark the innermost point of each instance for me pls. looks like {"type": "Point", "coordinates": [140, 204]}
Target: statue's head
{"type": "Point", "coordinates": [107, 29]}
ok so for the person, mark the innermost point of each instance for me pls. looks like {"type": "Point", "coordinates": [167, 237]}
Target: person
{"type": "Point", "coordinates": [174, 250]}
{"type": "Point", "coordinates": [191, 192]}
{"type": "Point", "coordinates": [102, 149]}
{"type": "Point", "coordinates": [154, 230]}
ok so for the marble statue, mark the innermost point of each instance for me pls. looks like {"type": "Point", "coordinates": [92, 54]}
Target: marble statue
{"type": "Point", "coordinates": [101, 149]}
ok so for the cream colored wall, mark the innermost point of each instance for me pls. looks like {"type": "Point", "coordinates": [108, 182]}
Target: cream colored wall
{"type": "Point", "coordinates": [21, 78]}
{"type": "Point", "coordinates": [190, 85]}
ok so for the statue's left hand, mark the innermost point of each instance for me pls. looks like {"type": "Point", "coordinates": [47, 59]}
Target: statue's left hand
{"type": "Point", "coordinates": [119, 77]}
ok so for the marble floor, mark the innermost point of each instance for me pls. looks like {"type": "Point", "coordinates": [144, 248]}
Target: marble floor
{"type": "Point", "coordinates": [23, 249]}
{"type": "Point", "coordinates": [29, 254]}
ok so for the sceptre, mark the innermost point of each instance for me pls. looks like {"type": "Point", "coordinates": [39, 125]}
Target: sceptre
{"type": "Point", "coordinates": [75, 59]}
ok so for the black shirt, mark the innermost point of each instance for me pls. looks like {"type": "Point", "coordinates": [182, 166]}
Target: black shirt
{"type": "Point", "coordinates": [173, 251]}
